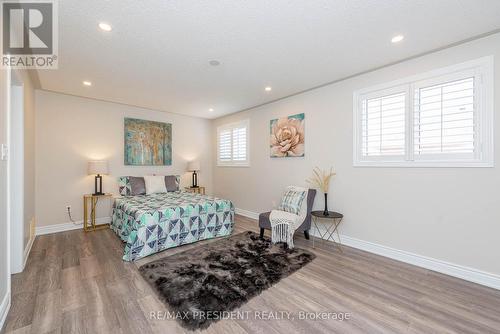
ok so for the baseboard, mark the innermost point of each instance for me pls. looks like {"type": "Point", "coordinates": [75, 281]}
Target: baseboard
{"type": "Point", "coordinates": [56, 228]}
{"type": "Point", "coordinates": [447, 268]}
{"type": "Point", "coordinates": [4, 309]}
{"type": "Point", "coordinates": [27, 250]}
{"type": "Point", "coordinates": [246, 213]}
{"type": "Point", "coordinates": [451, 269]}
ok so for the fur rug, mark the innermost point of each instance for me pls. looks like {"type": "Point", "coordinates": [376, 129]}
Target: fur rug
{"type": "Point", "coordinates": [220, 276]}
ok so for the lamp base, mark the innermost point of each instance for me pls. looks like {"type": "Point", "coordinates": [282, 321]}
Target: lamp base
{"type": "Point", "coordinates": [195, 180]}
{"type": "Point", "coordinates": [98, 190]}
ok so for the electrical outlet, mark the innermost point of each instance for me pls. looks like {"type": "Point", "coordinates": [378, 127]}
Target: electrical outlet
{"type": "Point", "coordinates": [68, 208]}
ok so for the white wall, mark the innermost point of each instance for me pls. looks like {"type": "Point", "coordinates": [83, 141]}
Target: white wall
{"type": "Point", "coordinates": [72, 130]}
{"type": "Point", "coordinates": [450, 214]}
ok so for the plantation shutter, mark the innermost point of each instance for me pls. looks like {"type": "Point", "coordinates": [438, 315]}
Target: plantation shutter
{"type": "Point", "coordinates": [444, 118]}
{"type": "Point", "coordinates": [383, 125]}
{"type": "Point", "coordinates": [225, 145]}
{"type": "Point", "coordinates": [233, 144]}
{"type": "Point", "coordinates": [240, 144]}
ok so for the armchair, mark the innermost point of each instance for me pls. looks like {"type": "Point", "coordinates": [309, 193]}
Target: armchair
{"type": "Point", "coordinates": [264, 222]}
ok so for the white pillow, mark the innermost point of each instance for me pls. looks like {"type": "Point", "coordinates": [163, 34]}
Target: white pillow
{"type": "Point", "coordinates": [155, 184]}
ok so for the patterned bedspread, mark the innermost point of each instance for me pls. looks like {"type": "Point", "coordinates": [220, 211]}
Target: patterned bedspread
{"type": "Point", "coordinates": [151, 223]}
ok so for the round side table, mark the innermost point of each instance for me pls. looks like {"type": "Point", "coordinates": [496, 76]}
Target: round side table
{"type": "Point", "coordinates": [333, 221]}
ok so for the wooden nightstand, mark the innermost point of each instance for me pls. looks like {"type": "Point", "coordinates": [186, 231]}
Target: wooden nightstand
{"type": "Point", "coordinates": [92, 200]}
{"type": "Point", "coordinates": [197, 190]}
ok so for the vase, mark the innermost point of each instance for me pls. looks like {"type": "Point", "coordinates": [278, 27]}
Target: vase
{"type": "Point", "coordinates": [325, 212]}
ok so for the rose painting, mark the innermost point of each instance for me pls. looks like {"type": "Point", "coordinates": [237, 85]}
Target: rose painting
{"type": "Point", "coordinates": [147, 143]}
{"type": "Point", "coordinates": [287, 136]}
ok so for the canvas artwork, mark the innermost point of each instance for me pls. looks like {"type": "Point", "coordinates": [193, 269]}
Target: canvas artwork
{"type": "Point", "coordinates": [288, 136]}
{"type": "Point", "coordinates": [147, 143]}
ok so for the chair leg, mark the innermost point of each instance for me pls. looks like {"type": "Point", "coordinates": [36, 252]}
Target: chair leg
{"type": "Point", "coordinates": [261, 233]}
{"type": "Point", "coordinates": [306, 234]}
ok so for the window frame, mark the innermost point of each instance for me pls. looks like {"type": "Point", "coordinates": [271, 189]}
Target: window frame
{"type": "Point", "coordinates": [482, 69]}
{"type": "Point", "coordinates": [231, 126]}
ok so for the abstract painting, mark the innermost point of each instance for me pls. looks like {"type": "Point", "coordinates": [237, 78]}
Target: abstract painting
{"type": "Point", "coordinates": [288, 136]}
{"type": "Point", "coordinates": [147, 143]}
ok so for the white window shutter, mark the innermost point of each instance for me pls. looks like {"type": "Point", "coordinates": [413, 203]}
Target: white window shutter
{"type": "Point", "coordinates": [383, 125]}
{"type": "Point", "coordinates": [225, 145]}
{"type": "Point", "coordinates": [240, 144]}
{"type": "Point", "coordinates": [444, 118]}
{"type": "Point", "coordinates": [232, 149]}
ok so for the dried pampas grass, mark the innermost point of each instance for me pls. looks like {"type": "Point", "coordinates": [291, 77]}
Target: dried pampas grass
{"type": "Point", "coordinates": [321, 179]}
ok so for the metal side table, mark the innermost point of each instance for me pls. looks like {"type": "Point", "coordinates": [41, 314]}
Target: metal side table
{"type": "Point", "coordinates": [333, 221]}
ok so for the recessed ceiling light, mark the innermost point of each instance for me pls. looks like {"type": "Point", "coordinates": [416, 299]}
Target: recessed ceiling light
{"type": "Point", "coordinates": [268, 89]}
{"type": "Point", "coordinates": [214, 62]}
{"type": "Point", "coordinates": [211, 109]}
{"type": "Point", "coordinates": [87, 83]}
{"type": "Point", "coordinates": [397, 38]}
{"type": "Point", "coordinates": [105, 26]}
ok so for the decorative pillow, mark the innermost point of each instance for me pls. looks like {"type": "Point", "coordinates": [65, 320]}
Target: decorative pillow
{"type": "Point", "coordinates": [172, 182]}
{"type": "Point", "coordinates": [155, 184]}
{"type": "Point", "coordinates": [292, 199]}
{"type": "Point", "coordinates": [124, 186]}
{"type": "Point", "coordinates": [137, 186]}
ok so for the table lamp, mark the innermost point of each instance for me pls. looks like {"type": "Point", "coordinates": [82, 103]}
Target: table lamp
{"type": "Point", "coordinates": [194, 166]}
{"type": "Point", "coordinates": [98, 168]}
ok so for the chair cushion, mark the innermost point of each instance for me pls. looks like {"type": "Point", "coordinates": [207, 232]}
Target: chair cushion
{"type": "Point", "coordinates": [292, 200]}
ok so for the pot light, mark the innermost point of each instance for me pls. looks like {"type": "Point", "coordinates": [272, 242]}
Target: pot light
{"type": "Point", "coordinates": [87, 83]}
{"type": "Point", "coordinates": [268, 89]}
{"type": "Point", "coordinates": [211, 109]}
{"type": "Point", "coordinates": [105, 26]}
{"type": "Point", "coordinates": [397, 38]}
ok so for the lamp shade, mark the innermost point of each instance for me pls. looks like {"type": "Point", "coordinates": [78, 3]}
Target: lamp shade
{"type": "Point", "coordinates": [98, 167]}
{"type": "Point", "coordinates": [194, 166]}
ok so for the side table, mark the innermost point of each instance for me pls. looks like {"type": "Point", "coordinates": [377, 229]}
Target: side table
{"type": "Point", "coordinates": [333, 221]}
{"type": "Point", "coordinates": [92, 200]}
{"type": "Point", "coordinates": [197, 190]}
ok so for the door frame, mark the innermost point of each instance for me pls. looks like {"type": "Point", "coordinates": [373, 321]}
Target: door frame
{"type": "Point", "coordinates": [15, 172]}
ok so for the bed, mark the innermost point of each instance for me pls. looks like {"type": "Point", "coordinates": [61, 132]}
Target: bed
{"type": "Point", "coordinates": [149, 224]}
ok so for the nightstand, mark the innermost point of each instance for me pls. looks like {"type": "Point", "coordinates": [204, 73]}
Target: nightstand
{"type": "Point", "coordinates": [90, 200]}
{"type": "Point", "coordinates": [197, 190]}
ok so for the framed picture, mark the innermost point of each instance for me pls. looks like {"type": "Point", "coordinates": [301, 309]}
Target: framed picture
{"type": "Point", "coordinates": [147, 143]}
{"type": "Point", "coordinates": [288, 136]}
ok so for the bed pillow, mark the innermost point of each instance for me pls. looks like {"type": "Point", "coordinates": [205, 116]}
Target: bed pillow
{"type": "Point", "coordinates": [124, 186]}
{"type": "Point", "coordinates": [137, 186]}
{"type": "Point", "coordinates": [155, 184]}
{"type": "Point", "coordinates": [172, 182]}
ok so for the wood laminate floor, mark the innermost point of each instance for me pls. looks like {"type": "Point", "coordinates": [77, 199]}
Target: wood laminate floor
{"type": "Point", "coordinates": [76, 282]}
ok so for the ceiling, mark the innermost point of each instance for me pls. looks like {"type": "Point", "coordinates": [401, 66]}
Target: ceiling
{"type": "Point", "coordinates": [157, 55]}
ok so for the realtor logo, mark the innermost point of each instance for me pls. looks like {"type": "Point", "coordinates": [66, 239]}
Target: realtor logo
{"type": "Point", "coordinates": [29, 34]}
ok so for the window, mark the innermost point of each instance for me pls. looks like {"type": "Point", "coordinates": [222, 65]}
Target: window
{"type": "Point", "coordinates": [232, 144]}
{"type": "Point", "coordinates": [438, 119]}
